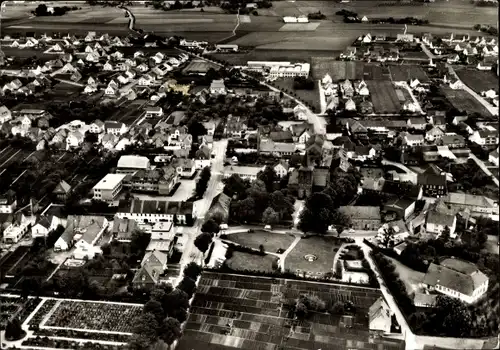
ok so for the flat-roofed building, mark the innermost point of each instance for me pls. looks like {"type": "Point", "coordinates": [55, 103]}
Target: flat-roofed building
{"type": "Point", "coordinates": [109, 187]}
{"type": "Point", "coordinates": [129, 164]}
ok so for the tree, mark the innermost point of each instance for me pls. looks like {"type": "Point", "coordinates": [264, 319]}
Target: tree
{"type": "Point", "coordinates": [192, 270]}
{"type": "Point", "coordinates": [170, 330]}
{"type": "Point", "coordinates": [196, 129]}
{"type": "Point", "coordinates": [203, 241]}
{"type": "Point", "coordinates": [14, 331]}
{"type": "Point", "coordinates": [154, 307]}
{"type": "Point", "coordinates": [270, 217]}
{"type": "Point", "coordinates": [300, 311]}
{"type": "Point", "coordinates": [41, 10]}
{"type": "Point", "coordinates": [337, 308]}
{"type": "Point", "coordinates": [187, 285]}
{"type": "Point", "coordinates": [445, 235]}
{"type": "Point", "coordinates": [246, 209]}
{"type": "Point", "coordinates": [317, 214]}
{"type": "Point", "coordinates": [146, 327]}
{"type": "Point", "coordinates": [210, 226]}
{"type": "Point", "coordinates": [269, 177]}
{"type": "Point", "coordinates": [388, 236]}
{"type": "Point", "coordinates": [339, 229]}
{"type": "Point", "coordinates": [452, 316]}
{"type": "Point", "coordinates": [234, 186]}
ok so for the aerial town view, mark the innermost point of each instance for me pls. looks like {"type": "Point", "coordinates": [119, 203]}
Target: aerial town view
{"type": "Point", "coordinates": [249, 174]}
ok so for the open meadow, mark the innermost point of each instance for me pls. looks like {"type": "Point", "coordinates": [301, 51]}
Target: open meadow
{"type": "Point", "coordinates": [247, 312]}
{"type": "Point", "coordinates": [463, 101]}
{"type": "Point", "coordinates": [384, 97]}
{"type": "Point", "coordinates": [271, 241]}
{"type": "Point", "coordinates": [477, 80]}
{"type": "Point", "coordinates": [241, 261]}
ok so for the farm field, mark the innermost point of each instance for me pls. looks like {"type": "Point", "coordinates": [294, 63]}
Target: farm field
{"type": "Point", "coordinates": [271, 241]}
{"type": "Point", "coordinates": [241, 261]}
{"type": "Point", "coordinates": [272, 55]}
{"type": "Point", "coordinates": [338, 70]}
{"type": "Point", "coordinates": [105, 317]}
{"type": "Point", "coordinates": [254, 309]}
{"type": "Point", "coordinates": [463, 101]}
{"type": "Point", "coordinates": [478, 80]}
{"type": "Point", "coordinates": [383, 96]}
{"type": "Point", "coordinates": [323, 249]}
{"type": "Point", "coordinates": [405, 72]}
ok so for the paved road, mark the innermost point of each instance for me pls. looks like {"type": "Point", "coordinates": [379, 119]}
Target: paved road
{"type": "Point", "coordinates": [191, 253]}
{"type": "Point", "coordinates": [484, 168]}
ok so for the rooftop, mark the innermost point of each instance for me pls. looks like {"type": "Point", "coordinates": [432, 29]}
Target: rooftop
{"type": "Point", "coordinates": [109, 182]}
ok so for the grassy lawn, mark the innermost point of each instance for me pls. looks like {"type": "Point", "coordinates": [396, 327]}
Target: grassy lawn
{"type": "Point", "coordinates": [321, 247]}
{"type": "Point", "coordinates": [271, 241]}
{"type": "Point", "coordinates": [310, 97]}
{"type": "Point", "coordinates": [245, 261]}
{"type": "Point", "coordinates": [410, 277]}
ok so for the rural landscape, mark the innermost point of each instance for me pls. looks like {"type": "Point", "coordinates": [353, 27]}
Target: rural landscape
{"type": "Point", "coordinates": [275, 175]}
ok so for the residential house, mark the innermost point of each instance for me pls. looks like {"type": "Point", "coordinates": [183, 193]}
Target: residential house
{"type": "Point", "coordinates": [402, 208]}
{"type": "Point", "coordinates": [62, 191]}
{"type": "Point", "coordinates": [433, 185]}
{"type": "Point", "coordinates": [17, 228]}
{"type": "Point", "coordinates": [185, 167]}
{"type": "Point", "coordinates": [153, 266]}
{"type": "Point", "coordinates": [485, 137]}
{"type": "Point", "coordinates": [301, 133]}
{"type": "Point", "coordinates": [160, 181]}
{"type": "Point", "coordinates": [413, 140]}
{"type": "Point", "coordinates": [154, 112]}
{"type": "Point", "coordinates": [457, 279]}
{"type": "Point", "coordinates": [210, 127]}
{"type": "Point", "coordinates": [74, 140]}
{"type": "Point", "coordinates": [45, 224]}
{"type": "Point", "coordinates": [417, 123]}
{"type": "Point", "coordinates": [363, 217]}
{"type": "Point", "coordinates": [281, 168]}
{"type": "Point", "coordinates": [437, 221]}
{"type": "Point", "coordinates": [380, 316]}
{"type": "Point", "coordinates": [476, 205]}
{"type": "Point", "coordinates": [217, 87]}
{"type": "Point", "coordinates": [123, 229]}
{"type": "Point", "coordinates": [151, 211]}
{"type": "Point", "coordinates": [202, 158]}
{"type": "Point", "coordinates": [115, 128]}
{"type": "Point", "coordinates": [96, 127]}
{"type": "Point", "coordinates": [434, 134]}
{"type": "Point", "coordinates": [244, 172]}
{"type": "Point", "coordinates": [220, 207]}
{"type": "Point", "coordinates": [235, 127]}
{"type": "Point", "coordinates": [362, 153]}
{"type": "Point", "coordinates": [278, 149]}
{"type": "Point", "coordinates": [5, 114]}
{"type": "Point", "coordinates": [86, 230]}
{"type": "Point", "coordinates": [452, 140]}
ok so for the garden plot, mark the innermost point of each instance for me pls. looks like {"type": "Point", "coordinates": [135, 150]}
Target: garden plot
{"type": "Point", "coordinates": [477, 80]}
{"type": "Point", "coordinates": [463, 101]}
{"type": "Point", "coordinates": [246, 312]}
{"type": "Point", "coordinates": [312, 256]}
{"type": "Point", "coordinates": [271, 241]}
{"type": "Point", "coordinates": [105, 317]}
{"type": "Point", "coordinates": [405, 72]}
{"type": "Point", "coordinates": [299, 27]}
{"type": "Point", "coordinates": [384, 97]}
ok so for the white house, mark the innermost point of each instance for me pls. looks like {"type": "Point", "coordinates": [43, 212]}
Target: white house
{"type": "Point", "coordinates": [245, 172]}
{"type": "Point", "coordinates": [46, 224]}
{"type": "Point", "coordinates": [281, 168]}
{"type": "Point", "coordinates": [115, 128]}
{"type": "Point", "coordinates": [17, 229]}
{"type": "Point", "coordinates": [413, 140]}
{"type": "Point", "coordinates": [154, 112]}
{"type": "Point", "coordinates": [493, 157]}
{"type": "Point", "coordinates": [217, 87]}
{"type": "Point", "coordinates": [437, 221]}
{"type": "Point", "coordinates": [110, 91]}
{"type": "Point", "coordinates": [5, 114]}
{"type": "Point", "coordinates": [456, 279]}
{"type": "Point", "coordinates": [74, 140]}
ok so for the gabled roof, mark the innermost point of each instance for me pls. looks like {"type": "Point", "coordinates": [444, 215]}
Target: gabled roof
{"type": "Point", "coordinates": [431, 179]}
{"type": "Point", "coordinates": [379, 309]}
{"type": "Point", "coordinates": [456, 275]}
{"type": "Point", "coordinates": [439, 218]}
{"type": "Point", "coordinates": [155, 258]}
{"type": "Point", "coordinates": [361, 212]}
{"type": "Point", "coordinates": [62, 188]}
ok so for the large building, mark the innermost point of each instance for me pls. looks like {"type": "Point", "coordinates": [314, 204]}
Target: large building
{"type": "Point", "coordinates": [282, 69]}
{"type": "Point", "coordinates": [152, 211]}
{"type": "Point", "coordinates": [109, 187]}
{"type": "Point", "coordinates": [457, 279]}
{"type": "Point", "coordinates": [130, 164]}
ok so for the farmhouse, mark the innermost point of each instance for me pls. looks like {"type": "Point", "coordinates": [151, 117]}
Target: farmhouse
{"type": "Point", "coordinates": [363, 218]}
{"type": "Point", "coordinates": [457, 279]}
{"type": "Point", "coordinates": [437, 221]}
{"type": "Point", "coordinates": [476, 205]}
{"type": "Point", "coordinates": [151, 211]}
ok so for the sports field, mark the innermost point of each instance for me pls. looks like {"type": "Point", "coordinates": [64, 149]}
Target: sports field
{"type": "Point", "coordinates": [247, 312]}
{"type": "Point", "coordinates": [463, 101]}
{"type": "Point", "coordinates": [477, 80]}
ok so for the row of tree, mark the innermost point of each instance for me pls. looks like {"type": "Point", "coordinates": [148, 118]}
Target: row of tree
{"type": "Point", "coordinates": [161, 318]}
{"type": "Point", "coordinates": [202, 183]}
